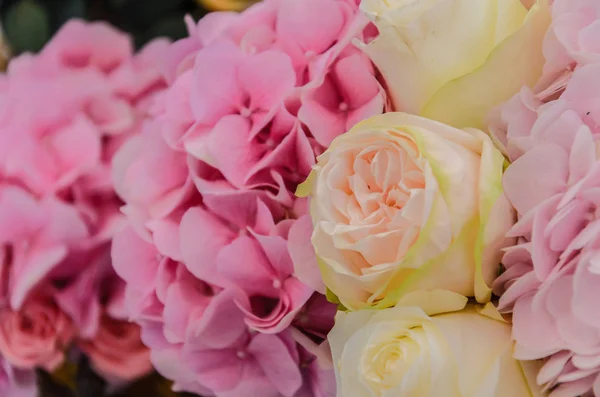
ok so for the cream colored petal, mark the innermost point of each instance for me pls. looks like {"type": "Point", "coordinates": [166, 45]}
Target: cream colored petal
{"type": "Point", "coordinates": [346, 326]}
{"type": "Point", "coordinates": [517, 61]}
{"type": "Point", "coordinates": [496, 217]}
{"type": "Point", "coordinates": [434, 302]}
{"type": "Point", "coordinates": [456, 171]}
{"type": "Point", "coordinates": [476, 342]}
{"type": "Point", "coordinates": [430, 48]}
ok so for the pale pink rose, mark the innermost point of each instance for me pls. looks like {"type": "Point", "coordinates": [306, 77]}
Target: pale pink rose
{"type": "Point", "coordinates": [36, 335]}
{"type": "Point", "coordinates": [117, 350]}
{"type": "Point", "coordinates": [551, 279]}
{"type": "Point", "coordinates": [398, 203]}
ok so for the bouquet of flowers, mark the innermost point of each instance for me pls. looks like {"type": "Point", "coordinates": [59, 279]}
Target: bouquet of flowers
{"type": "Point", "coordinates": [311, 198]}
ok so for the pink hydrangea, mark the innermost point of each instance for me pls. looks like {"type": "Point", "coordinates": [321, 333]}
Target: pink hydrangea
{"type": "Point", "coordinates": [63, 115]}
{"type": "Point", "coordinates": [551, 280]}
{"type": "Point", "coordinates": [213, 256]}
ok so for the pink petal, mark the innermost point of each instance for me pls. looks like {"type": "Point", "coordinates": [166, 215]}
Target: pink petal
{"type": "Point", "coordinates": [219, 370]}
{"type": "Point", "coordinates": [543, 257]}
{"type": "Point", "coordinates": [527, 323]}
{"type": "Point", "coordinates": [35, 267]}
{"type": "Point", "coordinates": [275, 360]}
{"type": "Point", "coordinates": [585, 290]}
{"type": "Point", "coordinates": [165, 233]}
{"type": "Point", "coordinates": [76, 149]}
{"type": "Point", "coordinates": [266, 77]}
{"type": "Point", "coordinates": [547, 165]}
{"type": "Point", "coordinates": [356, 80]}
{"type": "Point", "coordinates": [250, 271]}
{"type": "Point", "coordinates": [216, 91]}
{"type": "Point", "coordinates": [583, 155]}
{"type": "Point", "coordinates": [303, 254]}
{"type": "Point", "coordinates": [276, 251]}
{"type": "Point", "coordinates": [203, 236]}
{"type": "Point", "coordinates": [220, 324]}
{"type": "Point", "coordinates": [324, 124]}
{"type": "Point", "coordinates": [135, 260]}
{"type": "Point", "coordinates": [232, 150]}
{"type": "Point", "coordinates": [181, 299]}
{"type": "Point", "coordinates": [313, 25]}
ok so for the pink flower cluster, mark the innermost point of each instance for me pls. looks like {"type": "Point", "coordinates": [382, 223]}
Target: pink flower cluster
{"type": "Point", "coordinates": [63, 114]}
{"type": "Point", "coordinates": [552, 278]}
{"type": "Point", "coordinates": [209, 256]}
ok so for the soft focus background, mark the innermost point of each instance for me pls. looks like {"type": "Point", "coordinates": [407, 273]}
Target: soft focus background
{"type": "Point", "coordinates": [28, 24]}
{"type": "Point", "coordinates": [25, 26]}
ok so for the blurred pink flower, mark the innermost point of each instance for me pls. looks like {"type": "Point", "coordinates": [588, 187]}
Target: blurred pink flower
{"type": "Point", "coordinates": [551, 279]}
{"type": "Point", "coordinates": [117, 350]}
{"type": "Point", "coordinates": [36, 335]}
{"type": "Point", "coordinates": [16, 382]}
{"type": "Point", "coordinates": [64, 113]}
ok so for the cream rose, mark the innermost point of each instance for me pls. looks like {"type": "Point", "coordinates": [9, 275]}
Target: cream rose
{"type": "Point", "coordinates": [400, 203]}
{"type": "Point", "coordinates": [453, 60]}
{"type": "Point", "coordinates": [430, 345]}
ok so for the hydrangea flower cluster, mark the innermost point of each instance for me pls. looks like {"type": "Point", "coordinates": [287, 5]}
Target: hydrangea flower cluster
{"type": "Point", "coordinates": [213, 255]}
{"type": "Point", "coordinates": [63, 114]}
{"type": "Point", "coordinates": [551, 135]}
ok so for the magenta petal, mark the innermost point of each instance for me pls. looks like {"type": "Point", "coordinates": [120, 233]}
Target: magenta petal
{"type": "Point", "coordinates": [275, 360]}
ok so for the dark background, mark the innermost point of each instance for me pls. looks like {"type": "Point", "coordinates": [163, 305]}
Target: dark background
{"type": "Point", "coordinates": [29, 24]}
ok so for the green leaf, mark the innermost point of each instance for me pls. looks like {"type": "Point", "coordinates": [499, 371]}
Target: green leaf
{"type": "Point", "coordinates": [27, 26]}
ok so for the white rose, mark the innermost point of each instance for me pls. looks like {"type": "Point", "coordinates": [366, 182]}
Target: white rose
{"type": "Point", "coordinates": [454, 60]}
{"type": "Point", "coordinates": [431, 344]}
